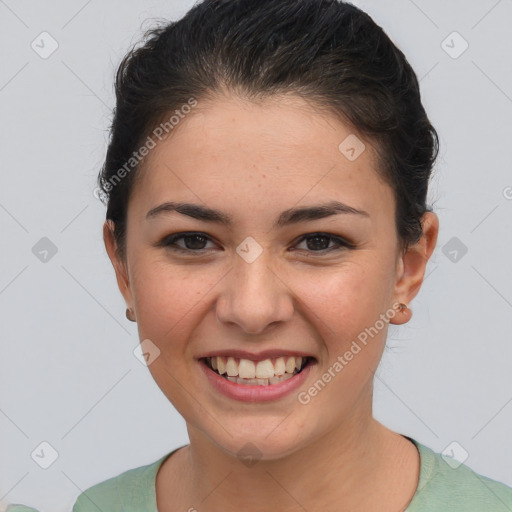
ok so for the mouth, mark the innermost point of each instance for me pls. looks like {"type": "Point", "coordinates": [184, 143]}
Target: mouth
{"type": "Point", "coordinates": [266, 372]}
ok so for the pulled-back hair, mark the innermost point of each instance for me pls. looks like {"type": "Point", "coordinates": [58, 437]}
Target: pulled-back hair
{"type": "Point", "coordinates": [326, 51]}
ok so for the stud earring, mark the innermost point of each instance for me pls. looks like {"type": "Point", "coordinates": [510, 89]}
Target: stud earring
{"type": "Point", "coordinates": [129, 315]}
{"type": "Point", "coordinates": [402, 307]}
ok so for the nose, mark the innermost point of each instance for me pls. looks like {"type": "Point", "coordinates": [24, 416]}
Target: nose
{"type": "Point", "coordinates": [255, 296]}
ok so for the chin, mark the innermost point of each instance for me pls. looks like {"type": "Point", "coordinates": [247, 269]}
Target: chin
{"type": "Point", "coordinates": [260, 439]}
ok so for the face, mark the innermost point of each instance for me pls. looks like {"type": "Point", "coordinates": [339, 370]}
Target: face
{"type": "Point", "coordinates": [256, 272]}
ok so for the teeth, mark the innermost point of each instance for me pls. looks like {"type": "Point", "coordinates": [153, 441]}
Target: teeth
{"type": "Point", "coordinates": [260, 382]}
{"type": "Point", "coordinates": [290, 365]}
{"type": "Point", "coordinates": [247, 369]}
{"type": "Point", "coordinates": [264, 369]}
{"type": "Point", "coordinates": [231, 367]}
{"type": "Point", "coordinates": [279, 366]}
{"type": "Point", "coordinates": [261, 372]}
{"type": "Point", "coordinates": [275, 380]}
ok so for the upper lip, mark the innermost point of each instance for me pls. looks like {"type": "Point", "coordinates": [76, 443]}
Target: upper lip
{"type": "Point", "coordinates": [255, 356]}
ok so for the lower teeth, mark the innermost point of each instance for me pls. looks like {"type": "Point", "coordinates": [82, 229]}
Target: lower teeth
{"type": "Point", "coordinates": [260, 382]}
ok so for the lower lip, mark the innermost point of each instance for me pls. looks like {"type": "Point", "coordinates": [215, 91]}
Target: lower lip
{"type": "Point", "coordinates": [257, 393]}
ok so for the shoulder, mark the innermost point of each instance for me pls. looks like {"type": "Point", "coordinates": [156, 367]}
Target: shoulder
{"type": "Point", "coordinates": [446, 484]}
{"type": "Point", "coordinates": [133, 489]}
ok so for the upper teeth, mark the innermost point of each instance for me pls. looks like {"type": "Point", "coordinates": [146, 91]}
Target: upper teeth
{"type": "Point", "coordinates": [247, 369]}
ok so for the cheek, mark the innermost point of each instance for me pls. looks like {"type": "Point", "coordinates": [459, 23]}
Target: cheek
{"type": "Point", "coordinates": [345, 308]}
{"type": "Point", "coordinates": [346, 299]}
{"type": "Point", "coordinates": [167, 300]}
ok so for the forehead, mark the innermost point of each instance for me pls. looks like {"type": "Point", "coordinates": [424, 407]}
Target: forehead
{"type": "Point", "coordinates": [276, 150]}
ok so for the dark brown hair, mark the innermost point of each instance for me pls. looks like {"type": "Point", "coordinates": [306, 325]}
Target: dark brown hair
{"type": "Point", "coordinates": [326, 51]}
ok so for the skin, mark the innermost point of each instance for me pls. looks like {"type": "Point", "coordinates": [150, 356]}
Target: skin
{"type": "Point", "coordinates": [253, 161]}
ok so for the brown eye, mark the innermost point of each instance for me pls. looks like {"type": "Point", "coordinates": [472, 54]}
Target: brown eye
{"type": "Point", "coordinates": [319, 242]}
{"type": "Point", "coordinates": [192, 242]}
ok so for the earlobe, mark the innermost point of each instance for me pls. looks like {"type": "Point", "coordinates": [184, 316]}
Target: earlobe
{"type": "Point", "coordinates": [412, 264]}
{"type": "Point", "coordinates": [120, 269]}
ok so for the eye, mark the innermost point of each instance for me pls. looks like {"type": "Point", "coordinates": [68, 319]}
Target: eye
{"type": "Point", "coordinates": [319, 242]}
{"type": "Point", "coordinates": [195, 242]}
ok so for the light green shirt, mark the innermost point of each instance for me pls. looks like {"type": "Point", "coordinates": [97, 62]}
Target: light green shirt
{"type": "Point", "coordinates": [443, 486]}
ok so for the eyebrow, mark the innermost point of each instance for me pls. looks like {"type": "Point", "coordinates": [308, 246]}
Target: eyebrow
{"type": "Point", "coordinates": [288, 217]}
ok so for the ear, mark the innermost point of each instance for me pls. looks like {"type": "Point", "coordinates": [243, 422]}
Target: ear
{"type": "Point", "coordinates": [119, 265]}
{"type": "Point", "coordinates": [411, 266]}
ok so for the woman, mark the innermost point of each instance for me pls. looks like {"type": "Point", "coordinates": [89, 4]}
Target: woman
{"type": "Point", "coordinates": [266, 182]}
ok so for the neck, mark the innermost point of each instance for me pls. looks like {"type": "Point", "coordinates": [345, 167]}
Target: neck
{"type": "Point", "coordinates": [349, 468]}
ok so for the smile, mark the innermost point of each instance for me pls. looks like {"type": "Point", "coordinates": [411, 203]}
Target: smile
{"type": "Point", "coordinates": [260, 373]}
{"type": "Point", "coordinates": [252, 380]}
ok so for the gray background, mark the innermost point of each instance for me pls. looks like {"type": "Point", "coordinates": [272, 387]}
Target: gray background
{"type": "Point", "coordinates": [68, 375]}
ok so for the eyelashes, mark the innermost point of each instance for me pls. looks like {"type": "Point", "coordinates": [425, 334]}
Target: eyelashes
{"type": "Point", "coordinates": [194, 242]}
{"type": "Point", "coordinates": [170, 241]}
